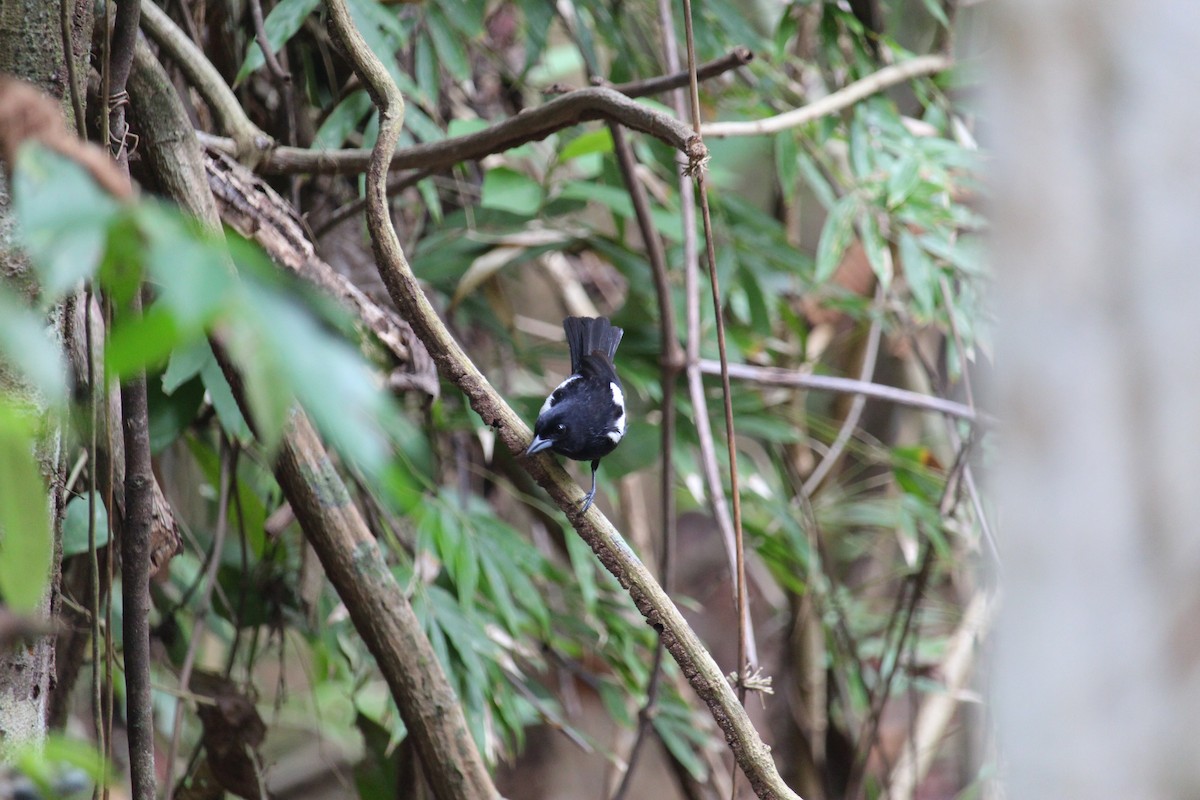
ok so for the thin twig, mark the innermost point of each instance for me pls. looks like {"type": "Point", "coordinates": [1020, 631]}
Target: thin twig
{"type": "Point", "coordinates": [344, 212]}
{"type": "Point", "coordinates": [281, 75]}
{"type": "Point", "coordinates": [135, 583]}
{"type": "Point", "coordinates": [709, 467]}
{"type": "Point", "coordinates": [776, 376]}
{"type": "Point", "coordinates": [857, 405]}
{"type": "Point", "coordinates": [832, 103]}
{"type": "Point", "coordinates": [743, 607]}
{"type": "Point", "coordinates": [679, 78]}
{"type": "Point", "coordinates": [283, 82]}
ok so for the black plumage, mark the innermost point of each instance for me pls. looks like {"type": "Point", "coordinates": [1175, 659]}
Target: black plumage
{"type": "Point", "coordinates": [584, 417]}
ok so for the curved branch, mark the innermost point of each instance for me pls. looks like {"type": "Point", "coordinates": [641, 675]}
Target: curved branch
{"type": "Point", "coordinates": [248, 138]}
{"type": "Point", "coordinates": [832, 103]}
{"type": "Point", "coordinates": [582, 105]}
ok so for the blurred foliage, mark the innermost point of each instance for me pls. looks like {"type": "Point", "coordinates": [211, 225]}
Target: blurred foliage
{"type": "Point", "coordinates": [510, 613]}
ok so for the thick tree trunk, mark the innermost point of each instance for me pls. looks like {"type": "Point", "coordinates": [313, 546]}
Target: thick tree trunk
{"type": "Point", "coordinates": [31, 47]}
{"type": "Point", "coordinates": [1097, 201]}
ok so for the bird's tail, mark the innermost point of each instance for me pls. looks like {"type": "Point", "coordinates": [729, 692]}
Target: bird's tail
{"type": "Point", "coordinates": [586, 335]}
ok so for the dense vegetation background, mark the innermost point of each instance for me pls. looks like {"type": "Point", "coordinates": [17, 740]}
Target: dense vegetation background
{"type": "Point", "coordinates": [316, 597]}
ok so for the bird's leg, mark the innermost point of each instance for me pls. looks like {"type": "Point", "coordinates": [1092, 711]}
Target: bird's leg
{"type": "Point", "coordinates": [587, 501]}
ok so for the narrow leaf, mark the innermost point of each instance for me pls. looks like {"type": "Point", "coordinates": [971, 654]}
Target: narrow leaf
{"type": "Point", "coordinates": [280, 26]}
{"type": "Point", "coordinates": [876, 247]}
{"type": "Point", "coordinates": [835, 237]}
{"type": "Point", "coordinates": [919, 272]}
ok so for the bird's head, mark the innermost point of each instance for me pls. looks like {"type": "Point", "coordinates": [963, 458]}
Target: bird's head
{"type": "Point", "coordinates": [552, 431]}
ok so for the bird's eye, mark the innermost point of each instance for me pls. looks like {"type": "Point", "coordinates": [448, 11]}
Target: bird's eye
{"type": "Point", "coordinates": [560, 428]}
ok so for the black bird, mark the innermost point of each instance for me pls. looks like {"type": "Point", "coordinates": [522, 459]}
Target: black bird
{"type": "Point", "coordinates": [584, 418]}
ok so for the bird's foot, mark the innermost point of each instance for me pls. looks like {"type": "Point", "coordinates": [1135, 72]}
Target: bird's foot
{"type": "Point", "coordinates": [587, 500]}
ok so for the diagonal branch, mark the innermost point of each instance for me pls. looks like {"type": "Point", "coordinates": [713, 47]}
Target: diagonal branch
{"type": "Point", "coordinates": [737, 57]}
{"type": "Point", "coordinates": [379, 609]}
{"type": "Point", "coordinates": [702, 672]}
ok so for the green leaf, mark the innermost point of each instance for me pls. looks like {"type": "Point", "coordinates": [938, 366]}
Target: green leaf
{"type": "Point", "coordinates": [185, 363]}
{"type": "Point", "coordinates": [465, 17]}
{"type": "Point", "coordinates": [816, 180]}
{"type": "Point", "coordinates": [787, 163]}
{"type": "Point", "coordinates": [433, 201]}
{"type": "Point", "coordinates": [903, 178]}
{"type": "Point", "coordinates": [171, 414]}
{"type": "Point", "coordinates": [383, 33]}
{"type": "Point", "coordinates": [835, 237]}
{"type": "Point", "coordinates": [229, 414]}
{"type": "Point", "coordinates": [25, 537]}
{"type": "Point", "coordinates": [508, 190]}
{"type": "Point", "coordinates": [425, 70]}
{"type": "Point", "coordinates": [25, 345]}
{"type": "Point", "coordinates": [417, 122]}
{"type": "Point", "coordinates": [683, 738]}
{"type": "Point", "coordinates": [539, 16]}
{"type": "Point", "coordinates": [876, 247]}
{"type": "Point", "coordinates": [377, 773]}
{"type": "Point", "coordinates": [934, 7]}
{"type": "Point", "coordinates": [135, 344]}
{"type": "Point", "coordinates": [279, 26]}
{"type": "Point", "coordinates": [597, 141]}
{"type": "Point", "coordinates": [194, 276]}
{"type": "Point", "coordinates": [342, 121]}
{"type": "Point", "coordinates": [75, 524]}
{"type": "Point", "coordinates": [44, 763]}
{"type": "Point", "coordinates": [861, 150]}
{"type": "Point", "coordinates": [285, 353]}
{"type": "Point", "coordinates": [919, 272]}
{"type": "Point", "coordinates": [62, 218]}
{"type": "Point", "coordinates": [613, 198]}
{"type": "Point", "coordinates": [583, 566]}
{"type": "Point", "coordinates": [449, 45]}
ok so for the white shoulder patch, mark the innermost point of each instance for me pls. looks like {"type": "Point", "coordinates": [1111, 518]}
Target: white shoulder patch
{"type": "Point", "coordinates": [618, 429]}
{"type": "Point", "coordinates": [551, 400]}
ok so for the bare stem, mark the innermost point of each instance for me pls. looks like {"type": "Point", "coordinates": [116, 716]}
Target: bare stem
{"type": "Point", "coordinates": [832, 103]}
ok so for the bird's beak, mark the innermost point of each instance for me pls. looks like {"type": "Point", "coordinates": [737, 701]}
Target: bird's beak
{"type": "Point", "coordinates": [538, 445]}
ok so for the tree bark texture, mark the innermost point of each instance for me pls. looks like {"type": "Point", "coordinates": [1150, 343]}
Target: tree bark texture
{"type": "Point", "coordinates": [1097, 668]}
{"type": "Point", "coordinates": [31, 48]}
